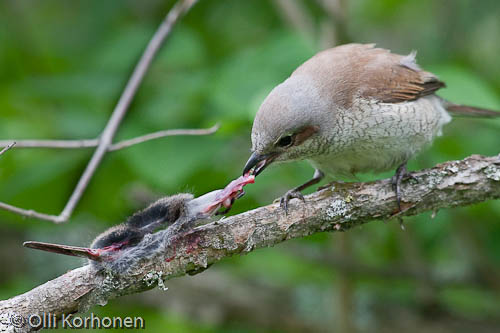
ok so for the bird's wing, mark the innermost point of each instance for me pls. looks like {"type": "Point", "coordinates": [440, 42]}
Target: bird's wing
{"type": "Point", "coordinates": [392, 78]}
{"type": "Point", "coordinates": [75, 251]}
{"type": "Point", "coordinates": [351, 71]}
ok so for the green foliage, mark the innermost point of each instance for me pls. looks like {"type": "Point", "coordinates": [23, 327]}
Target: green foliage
{"type": "Point", "coordinates": [64, 65]}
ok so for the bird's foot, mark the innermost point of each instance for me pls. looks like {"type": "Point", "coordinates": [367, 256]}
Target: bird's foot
{"type": "Point", "coordinates": [401, 173]}
{"type": "Point", "coordinates": [294, 193]}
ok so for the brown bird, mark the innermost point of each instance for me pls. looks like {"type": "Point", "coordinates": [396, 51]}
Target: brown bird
{"type": "Point", "coordinates": [352, 109]}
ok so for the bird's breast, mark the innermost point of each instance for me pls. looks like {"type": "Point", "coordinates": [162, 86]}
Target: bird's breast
{"type": "Point", "coordinates": [376, 137]}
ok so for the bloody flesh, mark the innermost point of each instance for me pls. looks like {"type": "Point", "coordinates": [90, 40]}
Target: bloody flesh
{"type": "Point", "coordinates": [233, 190]}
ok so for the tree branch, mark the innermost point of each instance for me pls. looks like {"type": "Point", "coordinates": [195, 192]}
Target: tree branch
{"type": "Point", "coordinates": [106, 137]}
{"type": "Point", "coordinates": [7, 147]}
{"type": "Point", "coordinates": [121, 108]}
{"type": "Point", "coordinates": [356, 269]}
{"type": "Point", "coordinates": [89, 143]}
{"type": "Point", "coordinates": [338, 207]}
{"type": "Point", "coordinates": [161, 134]}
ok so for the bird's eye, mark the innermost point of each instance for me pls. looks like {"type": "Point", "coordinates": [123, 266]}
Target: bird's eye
{"type": "Point", "coordinates": [285, 141]}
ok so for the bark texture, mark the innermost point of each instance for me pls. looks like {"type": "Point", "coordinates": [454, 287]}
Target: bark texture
{"type": "Point", "coordinates": [337, 207]}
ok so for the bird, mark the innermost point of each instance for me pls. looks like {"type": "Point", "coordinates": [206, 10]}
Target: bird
{"type": "Point", "coordinates": [175, 213]}
{"type": "Point", "coordinates": [354, 108]}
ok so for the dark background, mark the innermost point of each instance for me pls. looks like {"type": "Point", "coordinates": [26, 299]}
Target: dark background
{"type": "Point", "coordinates": [63, 66]}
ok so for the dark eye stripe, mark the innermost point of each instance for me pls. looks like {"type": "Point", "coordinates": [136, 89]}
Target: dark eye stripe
{"type": "Point", "coordinates": [305, 134]}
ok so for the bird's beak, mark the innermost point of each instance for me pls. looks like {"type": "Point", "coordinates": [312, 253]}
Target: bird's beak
{"type": "Point", "coordinates": [258, 163]}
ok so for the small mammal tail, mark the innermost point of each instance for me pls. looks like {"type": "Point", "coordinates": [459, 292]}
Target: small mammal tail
{"type": "Point", "coordinates": [75, 251]}
{"type": "Point", "coordinates": [470, 111]}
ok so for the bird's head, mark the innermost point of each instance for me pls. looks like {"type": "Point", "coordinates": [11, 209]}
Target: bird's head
{"type": "Point", "coordinates": [288, 125]}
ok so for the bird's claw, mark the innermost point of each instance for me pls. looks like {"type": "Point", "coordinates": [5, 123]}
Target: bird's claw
{"type": "Point", "coordinates": [396, 180]}
{"type": "Point", "coordinates": [289, 196]}
{"type": "Point", "coordinates": [396, 187]}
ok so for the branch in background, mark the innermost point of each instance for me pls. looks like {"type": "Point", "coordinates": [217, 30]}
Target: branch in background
{"type": "Point", "coordinates": [295, 13]}
{"type": "Point", "coordinates": [161, 134]}
{"type": "Point", "coordinates": [426, 292]}
{"type": "Point", "coordinates": [355, 269]}
{"type": "Point", "coordinates": [344, 289]}
{"type": "Point", "coordinates": [106, 137]}
{"type": "Point", "coordinates": [339, 207]}
{"type": "Point", "coordinates": [335, 28]}
{"type": "Point", "coordinates": [486, 271]}
{"type": "Point", "coordinates": [7, 147]}
{"type": "Point", "coordinates": [89, 143]}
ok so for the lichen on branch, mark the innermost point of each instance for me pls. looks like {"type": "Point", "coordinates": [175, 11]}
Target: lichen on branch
{"type": "Point", "coordinates": [337, 207]}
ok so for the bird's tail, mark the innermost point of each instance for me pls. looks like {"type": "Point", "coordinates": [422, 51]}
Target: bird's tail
{"type": "Point", "coordinates": [470, 111]}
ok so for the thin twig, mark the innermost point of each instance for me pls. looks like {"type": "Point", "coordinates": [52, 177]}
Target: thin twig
{"type": "Point", "coordinates": [7, 147]}
{"type": "Point", "coordinates": [161, 134]}
{"type": "Point", "coordinates": [64, 144]}
{"type": "Point", "coordinates": [89, 143]}
{"type": "Point", "coordinates": [124, 103]}
{"type": "Point", "coordinates": [106, 138]}
{"type": "Point", "coordinates": [29, 213]}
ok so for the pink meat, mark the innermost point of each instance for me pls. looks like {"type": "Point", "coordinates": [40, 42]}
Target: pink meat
{"type": "Point", "coordinates": [231, 191]}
